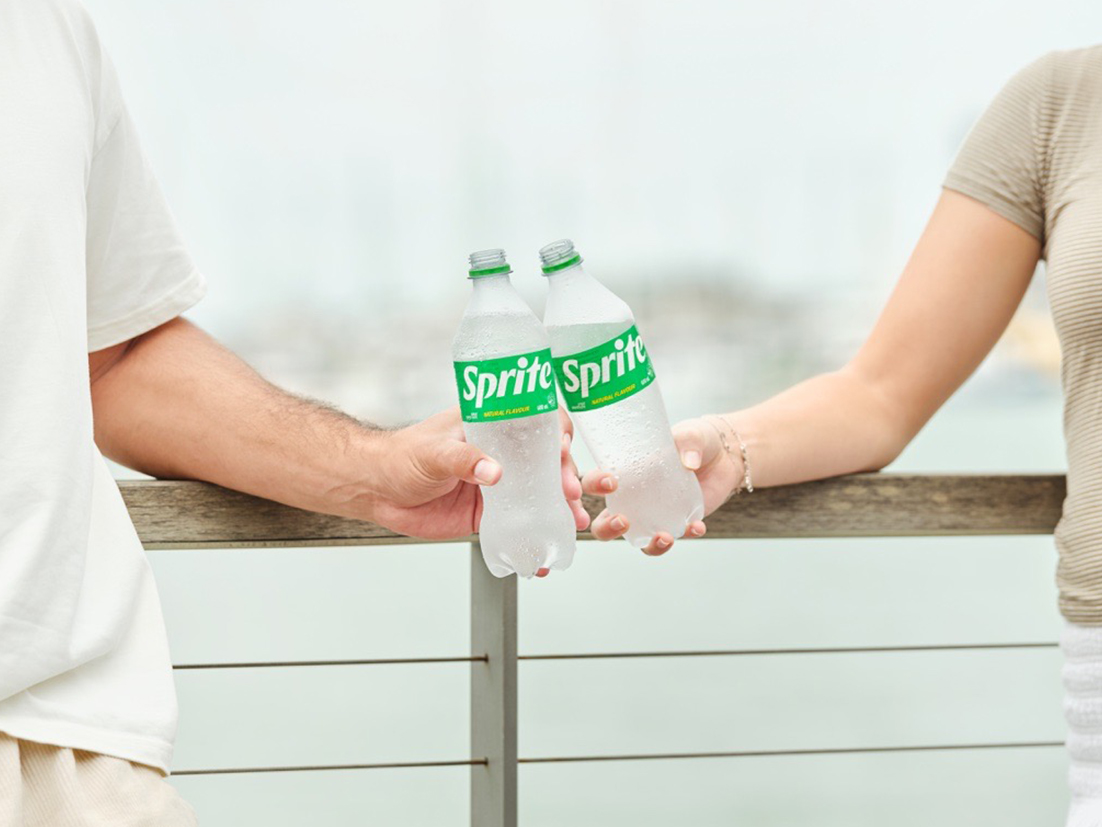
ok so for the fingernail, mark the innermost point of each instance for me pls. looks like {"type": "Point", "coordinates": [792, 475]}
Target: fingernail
{"type": "Point", "coordinates": [607, 484]}
{"type": "Point", "coordinates": [696, 531]}
{"type": "Point", "coordinates": [618, 524]}
{"type": "Point", "coordinates": [486, 472]}
{"type": "Point", "coordinates": [542, 572]}
{"type": "Point", "coordinates": [663, 543]}
{"type": "Point", "coordinates": [691, 459]}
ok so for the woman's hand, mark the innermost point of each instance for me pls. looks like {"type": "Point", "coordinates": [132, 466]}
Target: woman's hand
{"type": "Point", "coordinates": [701, 450]}
{"type": "Point", "coordinates": [718, 470]}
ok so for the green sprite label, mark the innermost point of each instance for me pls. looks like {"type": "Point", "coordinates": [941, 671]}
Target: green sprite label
{"type": "Point", "coordinates": [508, 388]}
{"type": "Point", "coordinates": [606, 373]}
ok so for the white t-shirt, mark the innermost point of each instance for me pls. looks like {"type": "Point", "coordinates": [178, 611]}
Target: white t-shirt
{"type": "Point", "coordinates": [89, 257]}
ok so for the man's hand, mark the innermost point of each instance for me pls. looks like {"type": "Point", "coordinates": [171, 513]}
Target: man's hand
{"type": "Point", "coordinates": [429, 479]}
{"type": "Point", "coordinates": [175, 404]}
{"type": "Point", "coordinates": [701, 450]}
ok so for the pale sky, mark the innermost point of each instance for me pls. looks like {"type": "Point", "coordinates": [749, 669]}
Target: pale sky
{"type": "Point", "coordinates": [341, 154]}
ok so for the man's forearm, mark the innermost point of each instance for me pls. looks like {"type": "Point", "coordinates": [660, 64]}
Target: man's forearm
{"type": "Point", "coordinates": [177, 404]}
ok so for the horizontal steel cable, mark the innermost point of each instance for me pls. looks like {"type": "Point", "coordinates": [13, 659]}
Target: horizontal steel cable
{"type": "Point", "coordinates": [774, 753]}
{"type": "Point", "coordinates": [280, 664]}
{"type": "Point", "coordinates": [400, 765]}
{"type": "Point", "coordinates": [698, 653]}
{"type": "Point", "coordinates": [668, 756]}
{"type": "Point", "coordinates": [824, 650]}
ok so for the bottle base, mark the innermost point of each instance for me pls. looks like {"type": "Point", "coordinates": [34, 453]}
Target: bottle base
{"type": "Point", "coordinates": [643, 539]}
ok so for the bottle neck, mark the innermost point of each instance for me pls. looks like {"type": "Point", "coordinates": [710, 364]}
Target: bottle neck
{"type": "Point", "coordinates": [575, 297]}
{"type": "Point", "coordinates": [489, 284]}
{"type": "Point", "coordinates": [496, 291]}
{"type": "Point", "coordinates": [569, 277]}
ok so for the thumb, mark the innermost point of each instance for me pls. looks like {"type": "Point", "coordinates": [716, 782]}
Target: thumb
{"type": "Point", "coordinates": [461, 460]}
{"type": "Point", "coordinates": [697, 442]}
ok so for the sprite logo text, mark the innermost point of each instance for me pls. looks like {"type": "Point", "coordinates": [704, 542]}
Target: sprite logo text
{"type": "Point", "coordinates": [605, 374]}
{"type": "Point", "coordinates": [508, 388]}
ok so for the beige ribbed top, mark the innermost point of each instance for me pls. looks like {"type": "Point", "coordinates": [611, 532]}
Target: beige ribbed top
{"type": "Point", "coordinates": [1035, 157]}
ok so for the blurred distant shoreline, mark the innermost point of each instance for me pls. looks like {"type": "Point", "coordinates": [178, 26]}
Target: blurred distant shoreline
{"type": "Point", "coordinates": [718, 344]}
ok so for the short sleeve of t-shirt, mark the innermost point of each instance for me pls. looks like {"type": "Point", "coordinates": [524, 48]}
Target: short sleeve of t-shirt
{"type": "Point", "coordinates": [139, 272]}
{"type": "Point", "coordinates": [1002, 161]}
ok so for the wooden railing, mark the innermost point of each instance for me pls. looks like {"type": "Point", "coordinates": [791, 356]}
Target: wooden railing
{"type": "Point", "coordinates": [188, 515]}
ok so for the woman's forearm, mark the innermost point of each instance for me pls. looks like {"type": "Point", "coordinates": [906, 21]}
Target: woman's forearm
{"type": "Point", "coordinates": [835, 423]}
{"type": "Point", "coordinates": [956, 296]}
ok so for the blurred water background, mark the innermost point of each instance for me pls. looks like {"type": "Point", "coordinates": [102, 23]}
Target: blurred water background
{"type": "Point", "coordinates": [750, 177]}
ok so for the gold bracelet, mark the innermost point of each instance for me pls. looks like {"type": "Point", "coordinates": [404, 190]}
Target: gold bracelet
{"type": "Point", "coordinates": [747, 483]}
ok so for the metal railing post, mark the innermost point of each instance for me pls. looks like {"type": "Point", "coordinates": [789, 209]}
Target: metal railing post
{"type": "Point", "coordinates": [493, 696]}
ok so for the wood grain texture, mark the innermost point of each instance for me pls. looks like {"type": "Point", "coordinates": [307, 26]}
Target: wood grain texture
{"type": "Point", "coordinates": [889, 505]}
{"type": "Point", "coordinates": [180, 515]}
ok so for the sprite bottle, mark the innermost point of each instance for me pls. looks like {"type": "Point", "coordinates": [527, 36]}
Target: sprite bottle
{"type": "Point", "coordinates": [509, 406]}
{"type": "Point", "coordinates": [608, 385]}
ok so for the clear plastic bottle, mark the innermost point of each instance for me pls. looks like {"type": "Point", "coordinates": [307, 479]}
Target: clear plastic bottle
{"type": "Point", "coordinates": [609, 387]}
{"type": "Point", "coordinates": [506, 382]}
